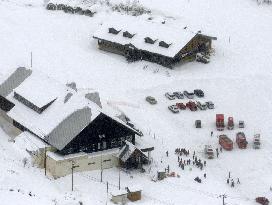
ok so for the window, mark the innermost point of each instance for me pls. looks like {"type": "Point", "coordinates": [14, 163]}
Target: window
{"type": "Point", "coordinates": [104, 144]}
{"type": "Point", "coordinates": [107, 160]}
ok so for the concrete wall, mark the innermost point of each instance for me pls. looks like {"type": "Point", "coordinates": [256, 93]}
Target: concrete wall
{"type": "Point", "coordinates": [62, 167]}
{"type": "Point", "coordinates": [6, 123]}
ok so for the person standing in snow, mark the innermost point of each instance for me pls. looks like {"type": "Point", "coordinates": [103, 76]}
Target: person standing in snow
{"type": "Point", "coordinates": [228, 181]}
{"type": "Point", "coordinates": [221, 149]}
{"type": "Point", "coordinates": [204, 163]}
{"type": "Point", "coordinates": [167, 153]}
{"type": "Point", "coordinates": [232, 183]}
{"type": "Point", "coordinates": [238, 181]}
{"type": "Point", "coordinates": [178, 158]}
{"type": "Point", "coordinates": [211, 133]}
{"type": "Point", "coordinates": [229, 174]}
{"type": "Point", "coordinates": [205, 175]}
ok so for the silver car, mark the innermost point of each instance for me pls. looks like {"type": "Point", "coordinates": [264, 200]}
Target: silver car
{"type": "Point", "coordinates": [173, 108]}
{"type": "Point", "coordinates": [170, 96]}
{"type": "Point", "coordinates": [151, 100]}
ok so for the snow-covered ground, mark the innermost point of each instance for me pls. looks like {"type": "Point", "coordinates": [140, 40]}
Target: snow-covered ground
{"type": "Point", "coordinates": [238, 81]}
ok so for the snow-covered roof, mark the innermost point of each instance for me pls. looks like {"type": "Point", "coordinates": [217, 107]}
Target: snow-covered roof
{"type": "Point", "coordinates": [30, 142]}
{"type": "Point", "coordinates": [135, 188]}
{"type": "Point", "coordinates": [64, 119]}
{"type": "Point", "coordinates": [127, 150]}
{"type": "Point", "coordinates": [42, 91]}
{"type": "Point", "coordinates": [117, 192]}
{"type": "Point", "coordinates": [178, 37]}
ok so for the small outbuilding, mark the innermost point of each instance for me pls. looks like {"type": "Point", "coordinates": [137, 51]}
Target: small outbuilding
{"type": "Point", "coordinates": [119, 196]}
{"type": "Point", "coordinates": [134, 193]}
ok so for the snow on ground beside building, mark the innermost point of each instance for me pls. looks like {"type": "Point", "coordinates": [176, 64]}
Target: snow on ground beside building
{"type": "Point", "coordinates": [238, 81]}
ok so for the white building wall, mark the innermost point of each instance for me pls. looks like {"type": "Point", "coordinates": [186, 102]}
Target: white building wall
{"type": "Point", "coordinates": [62, 167]}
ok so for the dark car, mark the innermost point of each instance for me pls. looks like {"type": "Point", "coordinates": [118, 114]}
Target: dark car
{"type": "Point", "coordinates": [199, 93]}
{"type": "Point", "coordinates": [198, 123]}
{"type": "Point", "coordinates": [181, 106]}
{"type": "Point", "coordinates": [179, 95]}
{"type": "Point", "coordinates": [191, 105]}
{"type": "Point", "coordinates": [188, 95]}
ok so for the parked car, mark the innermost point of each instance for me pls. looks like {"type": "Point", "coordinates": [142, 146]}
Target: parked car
{"type": "Point", "coordinates": [241, 124]}
{"type": "Point", "coordinates": [188, 95]}
{"type": "Point", "coordinates": [170, 96]}
{"type": "Point", "coordinates": [198, 123]}
{"type": "Point", "coordinates": [151, 100]}
{"type": "Point", "coordinates": [262, 200]}
{"type": "Point", "coordinates": [256, 141]}
{"type": "Point", "coordinates": [191, 105]}
{"type": "Point", "coordinates": [230, 124]}
{"type": "Point", "coordinates": [225, 142]}
{"type": "Point", "coordinates": [210, 105]}
{"type": "Point", "coordinates": [220, 124]}
{"type": "Point", "coordinates": [241, 140]}
{"type": "Point", "coordinates": [178, 95]}
{"type": "Point", "coordinates": [200, 57]}
{"type": "Point", "coordinates": [201, 106]}
{"type": "Point", "coordinates": [173, 108]}
{"type": "Point", "coordinates": [181, 106]}
{"type": "Point", "coordinates": [208, 151]}
{"type": "Point", "coordinates": [199, 93]}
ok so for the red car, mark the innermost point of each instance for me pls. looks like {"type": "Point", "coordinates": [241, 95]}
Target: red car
{"type": "Point", "coordinates": [191, 105]}
{"type": "Point", "coordinates": [181, 106]}
{"type": "Point", "coordinates": [262, 200]}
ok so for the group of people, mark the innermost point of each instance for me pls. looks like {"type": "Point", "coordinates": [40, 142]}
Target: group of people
{"type": "Point", "coordinates": [183, 162]}
{"type": "Point", "coordinates": [231, 182]}
{"type": "Point", "coordinates": [182, 151]}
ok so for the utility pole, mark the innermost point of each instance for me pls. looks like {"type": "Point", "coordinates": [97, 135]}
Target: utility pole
{"type": "Point", "coordinates": [73, 166]}
{"type": "Point", "coordinates": [31, 59]}
{"type": "Point", "coordinates": [45, 160]}
{"type": "Point", "coordinates": [119, 180]}
{"type": "Point", "coordinates": [101, 168]}
{"type": "Point", "coordinates": [223, 197]}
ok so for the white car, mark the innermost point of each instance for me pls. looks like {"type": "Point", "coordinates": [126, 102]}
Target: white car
{"type": "Point", "coordinates": [210, 105]}
{"type": "Point", "coordinates": [173, 108]}
{"type": "Point", "coordinates": [201, 106]}
{"type": "Point", "coordinates": [170, 96]}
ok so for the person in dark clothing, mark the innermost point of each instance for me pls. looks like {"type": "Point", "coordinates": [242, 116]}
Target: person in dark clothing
{"type": "Point", "coordinates": [232, 183]}
{"type": "Point", "coordinates": [227, 181]}
{"type": "Point", "coordinates": [211, 133]}
{"type": "Point", "coordinates": [205, 175]}
{"type": "Point", "coordinates": [238, 181]}
{"type": "Point", "coordinates": [204, 163]}
{"type": "Point", "coordinates": [167, 153]}
{"type": "Point", "coordinates": [221, 149]}
{"type": "Point", "coordinates": [229, 174]}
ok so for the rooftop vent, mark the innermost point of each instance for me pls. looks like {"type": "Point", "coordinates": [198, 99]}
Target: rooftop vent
{"type": "Point", "coordinates": [67, 97]}
{"type": "Point", "coordinates": [127, 34]}
{"type": "Point", "coordinates": [113, 31]}
{"type": "Point", "coordinates": [72, 85]}
{"type": "Point", "coordinates": [163, 44]}
{"type": "Point", "coordinates": [149, 40]}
